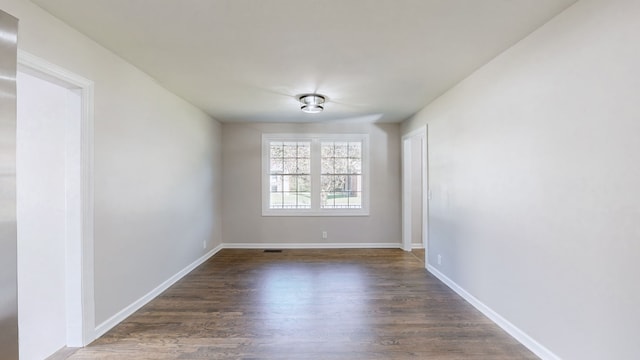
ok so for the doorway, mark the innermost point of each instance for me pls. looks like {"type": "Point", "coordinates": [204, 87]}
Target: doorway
{"type": "Point", "coordinates": [415, 191]}
{"type": "Point", "coordinates": [54, 208]}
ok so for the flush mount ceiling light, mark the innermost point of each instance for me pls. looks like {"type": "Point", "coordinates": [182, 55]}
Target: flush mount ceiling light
{"type": "Point", "coordinates": [311, 103]}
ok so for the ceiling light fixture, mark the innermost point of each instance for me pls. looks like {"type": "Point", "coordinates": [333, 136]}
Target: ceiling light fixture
{"type": "Point", "coordinates": [312, 103]}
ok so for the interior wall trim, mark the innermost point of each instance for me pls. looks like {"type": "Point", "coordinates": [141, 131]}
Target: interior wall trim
{"type": "Point", "coordinates": [312, 245]}
{"type": "Point", "coordinates": [507, 326]}
{"type": "Point", "coordinates": [136, 305]}
{"type": "Point", "coordinates": [80, 276]}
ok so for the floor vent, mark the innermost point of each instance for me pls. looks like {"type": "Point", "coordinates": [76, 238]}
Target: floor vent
{"type": "Point", "coordinates": [273, 251]}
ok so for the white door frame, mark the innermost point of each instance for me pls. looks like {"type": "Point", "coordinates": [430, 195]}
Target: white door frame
{"type": "Point", "coordinates": [421, 134]}
{"type": "Point", "coordinates": [80, 305]}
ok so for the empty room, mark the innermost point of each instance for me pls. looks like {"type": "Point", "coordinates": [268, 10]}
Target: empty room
{"type": "Point", "coordinates": [278, 179]}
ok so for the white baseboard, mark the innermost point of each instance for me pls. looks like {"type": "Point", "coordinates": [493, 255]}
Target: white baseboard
{"type": "Point", "coordinates": [514, 331]}
{"type": "Point", "coordinates": [312, 246]}
{"type": "Point", "coordinates": [135, 306]}
{"type": "Point", "coordinates": [417, 246]}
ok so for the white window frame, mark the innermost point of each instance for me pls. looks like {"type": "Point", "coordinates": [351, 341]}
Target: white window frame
{"type": "Point", "coordinates": [316, 140]}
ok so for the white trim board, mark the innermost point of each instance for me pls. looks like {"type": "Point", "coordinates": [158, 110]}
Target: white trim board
{"type": "Point", "coordinates": [312, 245]}
{"type": "Point", "coordinates": [407, 196]}
{"type": "Point", "coordinates": [136, 305]}
{"type": "Point", "coordinates": [511, 329]}
{"type": "Point", "coordinates": [80, 211]}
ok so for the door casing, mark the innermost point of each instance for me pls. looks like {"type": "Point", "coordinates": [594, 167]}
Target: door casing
{"type": "Point", "coordinates": [79, 270]}
{"type": "Point", "coordinates": [419, 134]}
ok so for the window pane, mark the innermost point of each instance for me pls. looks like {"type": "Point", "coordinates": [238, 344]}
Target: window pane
{"type": "Point", "coordinates": [290, 166]}
{"type": "Point", "coordinates": [275, 200]}
{"type": "Point", "coordinates": [332, 193]}
{"type": "Point", "coordinates": [355, 166]}
{"type": "Point", "coordinates": [328, 165]}
{"type": "Point", "coordinates": [276, 183]}
{"type": "Point", "coordinates": [341, 166]}
{"type": "Point", "coordinates": [355, 183]}
{"type": "Point", "coordinates": [355, 200]}
{"type": "Point", "coordinates": [304, 166]}
{"type": "Point", "coordinates": [276, 150]}
{"type": "Point", "coordinates": [341, 149]}
{"type": "Point", "coordinates": [341, 192]}
{"type": "Point", "coordinates": [341, 200]}
{"type": "Point", "coordinates": [344, 200]}
{"type": "Point", "coordinates": [290, 158]}
{"type": "Point", "coordinates": [304, 183]}
{"type": "Point", "coordinates": [327, 200]}
{"type": "Point", "coordinates": [304, 200]}
{"type": "Point", "coordinates": [290, 200]}
{"type": "Point", "coordinates": [340, 183]}
{"type": "Point", "coordinates": [327, 149]}
{"type": "Point", "coordinates": [304, 150]}
{"type": "Point", "coordinates": [354, 188]}
{"type": "Point", "coordinates": [289, 183]}
{"type": "Point", "coordinates": [336, 200]}
{"type": "Point", "coordinates": [290, 149]}
{"type": "Point", "coordinates": [277, 166]}
{"type": "Point", "coordinates": [326, 182]}
{"type": "Point", "coordinates": [355, 150]}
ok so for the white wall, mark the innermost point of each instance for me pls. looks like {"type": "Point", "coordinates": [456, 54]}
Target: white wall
{"type": "Point", "coordinates": [156, 165]}
{"type": "Point", "coordinates": [534, 174]}
{"type": "Point", "coordinates": [242, 218]}
{"type": "Point", "coordinates": [42, 116]}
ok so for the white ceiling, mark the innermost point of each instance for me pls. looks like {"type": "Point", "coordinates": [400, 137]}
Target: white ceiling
{"type": "Point", "coordinates": [247, 60]}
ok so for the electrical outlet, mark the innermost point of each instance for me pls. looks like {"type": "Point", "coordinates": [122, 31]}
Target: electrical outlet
{"type": "Point", "coordinates": [204, 244]}
{"type": "Point", "coordinates": [439, 259]}
{"type": "Point", "coordinates": [324, 235]}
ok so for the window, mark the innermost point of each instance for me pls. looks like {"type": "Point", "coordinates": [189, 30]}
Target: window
{"type": "Point", "coordinates": [341, 176]}
{"type": "Point", "coordinates": [315, 175]}
{"type": "Point", "coordinates": [290, 175]}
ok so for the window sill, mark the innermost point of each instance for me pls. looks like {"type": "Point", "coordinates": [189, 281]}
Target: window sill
{"type": "Point", "coordinates": [299, 213]}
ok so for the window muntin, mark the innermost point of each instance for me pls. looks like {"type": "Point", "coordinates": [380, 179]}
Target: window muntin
{"type": "Point", "coordinates": [341, 175]}
{"type": "Point", "coordinates": [290, 175]}
{"type": "Point", "coordinates": [315, 175]}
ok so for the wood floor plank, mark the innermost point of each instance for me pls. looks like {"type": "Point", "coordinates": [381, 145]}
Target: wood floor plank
{"type": "Point", "coordinates": [307, 304]}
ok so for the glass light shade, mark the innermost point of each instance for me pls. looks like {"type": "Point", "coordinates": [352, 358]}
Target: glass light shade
{"type": "Point", "coordinates": [312, 103]}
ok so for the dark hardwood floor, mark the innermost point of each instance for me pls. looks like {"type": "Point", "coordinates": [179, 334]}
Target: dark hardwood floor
{"type": "Point", "coordinates": [307, 304]}
{"type": "Point", "coordinates": [420, 254]}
